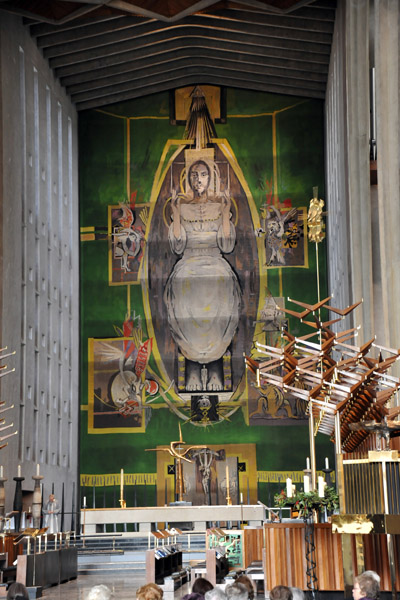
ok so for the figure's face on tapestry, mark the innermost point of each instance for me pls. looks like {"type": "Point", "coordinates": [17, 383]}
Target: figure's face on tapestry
{"type": "Point", "coordinates": [199, 177]}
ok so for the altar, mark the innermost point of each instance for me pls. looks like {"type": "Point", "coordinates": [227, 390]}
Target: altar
{"type": "Point", "coordinates": [148, 518]}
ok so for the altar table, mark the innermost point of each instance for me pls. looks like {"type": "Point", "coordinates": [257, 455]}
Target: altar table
{"type": "Point", "coordinates": [148, 518]}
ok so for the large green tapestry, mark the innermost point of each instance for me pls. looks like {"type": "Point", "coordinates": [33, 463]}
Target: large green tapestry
{"type": "Point", "coordinates": [190, 245]}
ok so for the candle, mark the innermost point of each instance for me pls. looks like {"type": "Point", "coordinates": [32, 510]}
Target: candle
{"type": "Point", "coordinates": [308, 463]}
{"type": "Point", "coordinates": [306, 484]}
{"type": "Point", "coordinates": [321, 487]}
{"type": "Point", "coordinates": [241, 498]}
{"type": "Point", "coordinates": [122, 485]}
{"type": "Point", "coordinates": [37, 469]}
{"type": "Point", "coordinates": [19, 471]}
{"type": "Point", "coordinates": [326, 463]}
{"type": "Point", "coordinates": [84, 501]}
{"type": "Point", "coordinates": [1, 471]}
{"type": "Point", "coordinates": [288, 487]}
{"type": "Point", "coordinates": [227, 478]}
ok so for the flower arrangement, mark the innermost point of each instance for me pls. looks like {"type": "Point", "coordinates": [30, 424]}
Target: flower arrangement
{"type": "Point", "coordinates": [305, 503]}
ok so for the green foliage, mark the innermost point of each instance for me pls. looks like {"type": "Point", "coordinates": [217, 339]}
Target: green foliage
{"type": "Point", "coordinates": [305, 503]}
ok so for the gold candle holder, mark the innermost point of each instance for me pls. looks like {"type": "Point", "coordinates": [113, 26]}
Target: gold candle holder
{"type": "Point", "coordinates": [122, 502]}
{"type": "Point", "coordinates": [228, 496]}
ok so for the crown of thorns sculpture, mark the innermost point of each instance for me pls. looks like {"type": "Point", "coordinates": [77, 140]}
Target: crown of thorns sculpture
{"type": "Point", "coordinates": [353, 383]}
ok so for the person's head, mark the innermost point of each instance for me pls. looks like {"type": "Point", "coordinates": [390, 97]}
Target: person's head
{"type": "Point", "coordinates": [17, 591]}
{"type": "Point", "coordinates": [52, 498]}
{"type": "Point", "coordinates": [99, 592]}
{"type": "Point", "coordinates": [366, 585]}
{"type": "Point", "coordinates": [193, 596]}
{"type": "Point", "coordinates": [374, 575]}
{"type": "Point", "coordinates": [215, 594]}
{"type": "Point", "coordinates": [150, 591]}
{"type": "Point", "coordinates": [199, 177]}
{"type": "Point", "coordinates": [201, 586]}
{"type": "Point", "coordinates": [297, 593]}
{"type": "Point", "coordinates": [248, 583]}
{"type": "Point", "coordinates": [281, 592]}
{"type": "Point", "coordinates": [236, 591]}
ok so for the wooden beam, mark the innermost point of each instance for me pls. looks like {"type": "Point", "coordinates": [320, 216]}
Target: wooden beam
{"type": "Point", "coordinates": [261, 18]}
{"type": "Point", "coordinates": [180, 59]}
{"type": "Point", "coordinates": [56, 35]}
{"type": "Point", "coordinates": [91, 69]}
{"type": "Point", "coordinates": [129, 39]}
{"type": "Point", "coordinates": [199, 78]}
{"type": "Point", "coordinates": [191, 68]}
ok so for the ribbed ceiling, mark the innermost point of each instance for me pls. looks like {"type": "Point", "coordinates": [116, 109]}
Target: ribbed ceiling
{"type": "Point", "coordinates": [106, 52]}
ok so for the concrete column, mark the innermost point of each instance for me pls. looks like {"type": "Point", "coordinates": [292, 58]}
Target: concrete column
{"type": "Point", "coordinates": [358, 118]}
{"type": "Point", "coordinates": [337, 220]}
{"type": "Point", "coordinates": [387, 15]}
{"type": "Point", "coordinates": [348, 189]}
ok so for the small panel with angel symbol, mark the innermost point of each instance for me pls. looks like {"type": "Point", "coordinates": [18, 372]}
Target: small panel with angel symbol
{"type": "Point", "coordinates": [283, 232]}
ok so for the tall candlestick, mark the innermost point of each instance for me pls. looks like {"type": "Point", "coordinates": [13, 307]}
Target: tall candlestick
{"type": "Point", "coordinates": [321, 487]}
{"type": "Point", "coordinates": [308, 463]}
{"type": "Point", "coordinates": [326, 463]}
{"type": "Point", "coordinates": [19, 471]}
{"type": "Point", "coordinates": [289, 491]}
{"type": "Point", "coordinates": [122, 485]}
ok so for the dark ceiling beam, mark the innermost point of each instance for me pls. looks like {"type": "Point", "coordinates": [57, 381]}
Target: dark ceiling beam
{"type": "Point", "coordinates": [198, 59]}
{"type": "Point", "coordinates": [273, 8]}
{"type": "Point", "coordinates": [72, 16]}
{"type": "Point", "coordinates": [118, 53]}
{"type": "Point", "coordinates": [199, 78]}
{"type": "Point", "coordinates": [279, 36]}
{"type": "Point", "coordinates": [90, 69]}
{"type": "Point", "coordinates": [253, 18]}
{"type": "Point", "coordinates": [159, 76]}
{"type": "Point", "coordinates": [98, 25]}
{"type": "Point", "coordinates": [176, 48]}
{"type": "Point", "coordinates": [128, 24]}
{"type": "Point", "coordinates": [314, 11]}
{"type": "Point", "coordinates": [83, 32]}
{"type": "Point", "coordinates": [38, 29]}
{"type": "Point", "coordinates": [187, 56]}
{"type": "Point", "coordinates": [140, 10]}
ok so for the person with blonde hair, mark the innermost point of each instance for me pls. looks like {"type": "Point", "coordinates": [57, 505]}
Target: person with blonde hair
{"type": "Point", "coordinates": [150, 591]}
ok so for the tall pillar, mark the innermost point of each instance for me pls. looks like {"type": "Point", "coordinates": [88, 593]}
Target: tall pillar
{"type": "Point", "coordinates": [387, 30]}
{"type": "Point", "coordinates": [358, 120]}
{"type": "Point", "coordinates": [348, 187]}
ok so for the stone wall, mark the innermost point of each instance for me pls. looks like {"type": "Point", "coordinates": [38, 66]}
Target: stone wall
{"type": "Point", "coordinates": [39, 262]}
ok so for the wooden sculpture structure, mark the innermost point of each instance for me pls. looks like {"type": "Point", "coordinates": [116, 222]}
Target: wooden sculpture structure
{"type": "Point", "coordinates": [348, 392]}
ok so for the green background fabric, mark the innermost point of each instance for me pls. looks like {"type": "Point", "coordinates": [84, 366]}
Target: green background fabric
{"type": "Point", "coordinates": [300, 162]}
